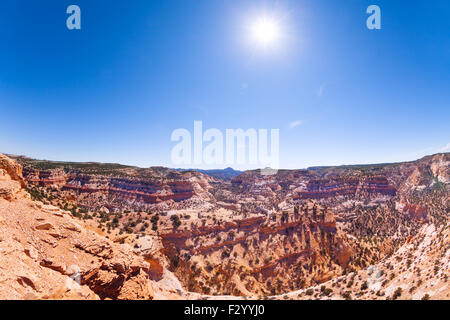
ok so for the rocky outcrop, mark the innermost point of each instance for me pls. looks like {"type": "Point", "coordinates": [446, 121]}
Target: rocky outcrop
{"type": "Point", "coordinates": [414, 211]}
{"type": "Point", "coordinates": [45, 178]}
{"type": "Point", "coordinates": [12, 168]}
{"type": "Point", "coordinates": [11, 180]}
{"type": "Point", "coordinates": [121, 275]}
{"type": "Point", "coordinates": [46, 254]}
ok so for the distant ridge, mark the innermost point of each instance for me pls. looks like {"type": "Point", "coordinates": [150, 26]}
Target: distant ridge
{"type": "Point", "coordinates": [224, 174]}
{"type": "Point", "coordinates": [373, 165]}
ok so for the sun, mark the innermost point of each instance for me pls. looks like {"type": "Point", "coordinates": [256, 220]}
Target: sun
{"type": "Point", "coordinates": [265, 31]}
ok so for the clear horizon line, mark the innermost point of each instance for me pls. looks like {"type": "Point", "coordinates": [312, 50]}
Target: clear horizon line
{"type": "Point", "coordinates": [217, 168]}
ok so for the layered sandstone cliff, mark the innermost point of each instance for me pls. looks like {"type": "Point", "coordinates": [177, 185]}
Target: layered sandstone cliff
{"type": "Point", "coordinates": [115, 187]}
{"type": "Point", "coordinates": [346, 186]}
{"type": "Point", "coordinates": [259, 254]}
{"type": "Point", "coordinates": [418, 270]}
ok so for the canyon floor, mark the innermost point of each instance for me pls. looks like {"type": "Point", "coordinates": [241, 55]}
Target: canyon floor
{"type": "Point", "coordinates": [108, 231]}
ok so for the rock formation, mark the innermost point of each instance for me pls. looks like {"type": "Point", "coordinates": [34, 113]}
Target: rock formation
{"type": "Point", "coordinates": [95, 186]}
{"type": "Point", "coordinates": [269, 254]}
{"type": "Point", "coordinates": [107, 231]}
{"type": "Point", "coordinates": [46, 254]}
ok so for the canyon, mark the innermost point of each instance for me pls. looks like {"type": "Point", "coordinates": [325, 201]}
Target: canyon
{"type": "Point", "coordinates": [109, 231]}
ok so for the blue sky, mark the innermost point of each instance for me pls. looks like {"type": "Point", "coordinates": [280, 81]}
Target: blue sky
{"type": "Point", "coordinates": [137, 70]}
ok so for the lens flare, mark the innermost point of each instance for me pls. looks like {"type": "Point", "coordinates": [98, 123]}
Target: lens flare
{"type": "Point", "coordinates": [265, 31]}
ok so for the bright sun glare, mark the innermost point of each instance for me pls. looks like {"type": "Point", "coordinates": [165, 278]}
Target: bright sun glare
{"type": "Point", "coordinates": [265, 31]}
